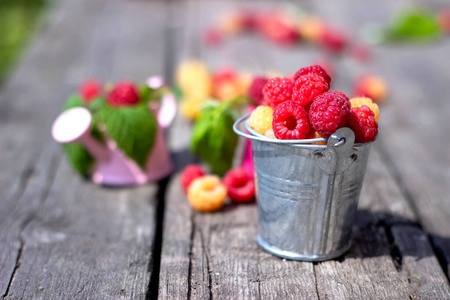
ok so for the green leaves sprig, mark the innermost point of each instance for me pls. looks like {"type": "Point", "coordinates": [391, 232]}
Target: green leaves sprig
{"type": "Point", "coordinates": [413, 25]}
{"type": "Point", "coordinates": [213, 138]}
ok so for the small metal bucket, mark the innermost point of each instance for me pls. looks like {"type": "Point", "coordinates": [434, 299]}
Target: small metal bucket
{"type": "Point", "coordinates": [307, 194]}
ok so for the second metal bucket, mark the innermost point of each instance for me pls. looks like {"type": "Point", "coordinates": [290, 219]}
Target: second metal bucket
{"type": "Point", "coordinates": [307, 194]}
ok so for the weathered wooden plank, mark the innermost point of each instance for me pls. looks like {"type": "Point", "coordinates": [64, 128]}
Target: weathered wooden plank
{"type": "Point", "coordinates": [216, 254]}
{"type": "Point", "coordinates": [426, 278]}
{"type": "Point", "coordinates": [420, 166]}
{"type": "Point", "coordinates": [176, 248]}
{"type": "Point", "coordinates": [414, 72]}
{"type": "Point", "coordinates": [237, 267]}
{"type": "Point", "coordinates": [367, 272]}
{"type": "Point", "coordinates": [414, 119]}
{"type": "Point", "coordinates": [29, 104]}
{"type": "Point", "coordinates": [86, 241]}
{"type": "Point", "coordinates": [376, 264]}
{"type": "Point", "coordinates": [221, 254]}
{"type": "Point", "coordinates": [60, 236]}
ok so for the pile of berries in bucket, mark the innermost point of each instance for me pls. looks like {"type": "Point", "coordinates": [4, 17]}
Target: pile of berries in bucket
{"type": "Point", "coordinates": [306, 108]}
{"type": "Point", "coordinates": [293, 108]}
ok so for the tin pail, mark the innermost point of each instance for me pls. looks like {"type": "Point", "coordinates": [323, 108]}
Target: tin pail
{"type": "Point", "coordinates": [306, 194]}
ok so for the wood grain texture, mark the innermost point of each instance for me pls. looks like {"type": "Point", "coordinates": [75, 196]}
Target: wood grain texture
{"type": "Point", "coordinates": [414, 119]}
{"type": "Point", "coordinates": [62, 237]}
{"type": "Point", "coordinates": [224, 260]}
{"type": "Point", "coordinates": [425, 276]}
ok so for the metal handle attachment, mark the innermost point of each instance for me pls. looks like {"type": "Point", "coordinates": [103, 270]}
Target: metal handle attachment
{"type": "Point", "coordinates": [339, 154]}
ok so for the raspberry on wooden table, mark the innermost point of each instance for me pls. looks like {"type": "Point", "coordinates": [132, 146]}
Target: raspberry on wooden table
{"type": "Point", "coordinates": [207, 193]}
{"type": "Point", "coordinates": [240, 185]}
{"type": "Point", "coordinates": [371, 86]}
{"type": "Point", "coordinates": [189, 174]}
{"type": "Point", "coordinates": [333, 40]}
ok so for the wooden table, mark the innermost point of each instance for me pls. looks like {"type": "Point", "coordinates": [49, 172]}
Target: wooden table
{"type": "Point", "coordinates": [62, 237]}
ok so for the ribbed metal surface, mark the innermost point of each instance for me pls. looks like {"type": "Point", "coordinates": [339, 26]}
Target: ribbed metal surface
{"type": "Point", "coordinates": [307, 198]}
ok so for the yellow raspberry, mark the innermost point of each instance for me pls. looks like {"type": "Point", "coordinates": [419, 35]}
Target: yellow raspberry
{"type": "Point", "coordinates": [191, 108]}
{"type": "Point", "coordinates": [317, 135]}
{"type": "Point", "coordinates": [207, 193]}
{"type": "Point", "coordinates": [377, 88]}
{"type": "Point", "coordinates": [226, 90]}
{"type": "Point", "coordinates": [244, 81]}
{"type": "Point", "coordinates": [261, 119]}
{"type": "Point", "coordinates": [312, 28]}
{"type": "Point", "coordinates": [194, 79]}
{"type": "Point", "coordinates": [360, 101]}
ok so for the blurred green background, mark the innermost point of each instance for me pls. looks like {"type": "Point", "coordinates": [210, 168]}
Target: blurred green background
{"type": "Point", "coordinates": [19, 20]}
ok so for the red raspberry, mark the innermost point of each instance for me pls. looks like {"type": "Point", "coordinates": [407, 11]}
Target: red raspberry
{"type": "Point", "coordinates": [223, 74]}
{"type": "Point", "coordinates": [255, 90]}
{"type": "Point", "coordinates": [307, 87]}
{"type": "Point", "coordinates": [316, 69]}
{"type": "Point", "coordinates": [212, 36]}
{"type": "Point", "coordinates": [290, 121]}
{"type": "Point", "coordinates": [360, 52]}
{"type": "Point", "coordinates": [278, 29]}
{"type": "Point", "coordinates": [124, 94]}
{"type": "Point", "coordinates": [277, 91]}
{"type": "Point", "coordinates": [240, 185]}
{"type": "Point", "coordinates": [190, 173]}
{"type": "Point", "coordinates": [339, 93]}
{"type": "Point", "coordinates": [371, 86]}
{"type": "Point", "coordinates": [90, 89]}
{"type": "Point", "coordinates": [333, 40]}
{"type": "Point", "coordinates": [362, 121]}
{"type": "Point", "coordinates": [328, 112]}
{"type": "Point", "coordinates": [249, 19]}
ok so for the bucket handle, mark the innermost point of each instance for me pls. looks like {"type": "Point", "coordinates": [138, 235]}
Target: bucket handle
{"type": "Point", "coordinates": [339, 154]}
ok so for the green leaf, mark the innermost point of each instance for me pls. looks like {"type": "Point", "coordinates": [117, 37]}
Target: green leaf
{"type": "Point", "coordinates": [132, 128]}
{"type": "Point", "coordinates": [213, 138]}
{"type": "Point", "coordinates": [413, 25]}
{"type": "Point", "coordinates": [80, 159]}
{"type": "Point", "coordinates": [73, 101]}
{"type": "Point", "coordinates": [97, 104]}
{"type": "Point", "coordinates": [145, 93]}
